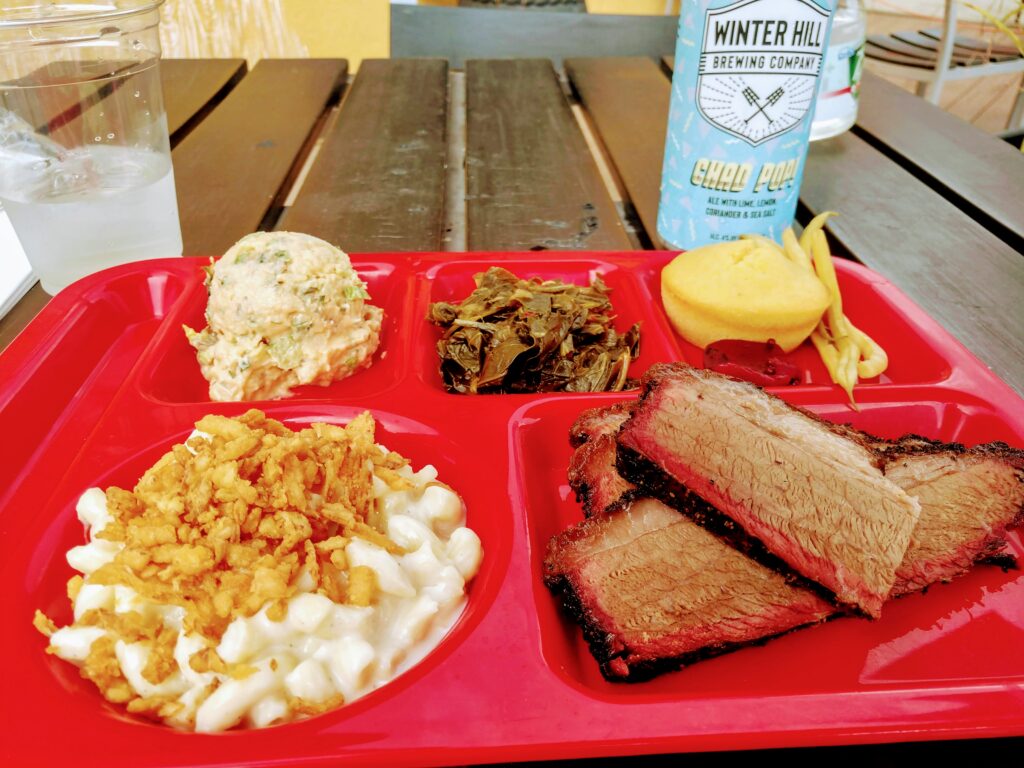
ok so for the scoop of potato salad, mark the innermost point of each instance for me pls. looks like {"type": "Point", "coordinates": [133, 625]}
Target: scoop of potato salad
{"type": "Point", "coordinates": [285, 309]}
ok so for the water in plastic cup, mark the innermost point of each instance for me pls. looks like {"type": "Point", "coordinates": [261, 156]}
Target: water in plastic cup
{"type": "Point", "coordinates": [85, 164]}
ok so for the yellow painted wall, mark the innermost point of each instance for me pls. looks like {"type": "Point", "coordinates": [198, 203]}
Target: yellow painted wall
{"type": "Point", "coordinates": [633, 7]}
{"type": "Point", "coordinates": [255, 29]}
{"type": "Point", "coordinates": [352, 29]}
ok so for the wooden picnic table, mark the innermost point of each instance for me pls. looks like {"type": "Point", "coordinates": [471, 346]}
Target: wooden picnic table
{"type": "Point", "coordinates": [510, 155]}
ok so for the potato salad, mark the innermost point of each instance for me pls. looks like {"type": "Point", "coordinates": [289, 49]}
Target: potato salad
{"type": "Point", "coordinates": [285, 309]}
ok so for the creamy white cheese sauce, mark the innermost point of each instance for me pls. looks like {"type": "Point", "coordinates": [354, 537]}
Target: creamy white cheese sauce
{"type": "Point", "coordinates": [320, 649]}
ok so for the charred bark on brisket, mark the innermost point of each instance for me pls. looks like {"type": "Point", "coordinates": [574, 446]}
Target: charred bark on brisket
{"type": "Point", "coordinates": [653, 591]}
{"type": "Point", "coordinates": [935, 469]}
{"type": "Point", "coordinates": [604, 420]}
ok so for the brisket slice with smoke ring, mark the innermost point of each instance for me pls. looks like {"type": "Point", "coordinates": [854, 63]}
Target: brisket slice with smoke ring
{"type": "Point", "coordinates": [593, 436]}
{"type": "Point", "coordinates": [812, 494]}
{"type": "Point", "coordinates": [631, 638]}
{"type": "Point", "coordinates": [973, 496]}
{"type": "Point", "coordinates": [970, 499]}
{"type": "Point", "coordinates": [654, 591]}
{"type": "Point", "coordinates": [651, 589]}
{"type": "Point", "coordinates": [598, 489]}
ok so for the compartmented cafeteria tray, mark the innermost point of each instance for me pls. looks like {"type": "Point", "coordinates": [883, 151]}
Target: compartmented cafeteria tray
{"type": "Point", "coordinates": [104, 381]}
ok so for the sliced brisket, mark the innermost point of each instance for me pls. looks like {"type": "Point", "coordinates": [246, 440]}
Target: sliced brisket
{"type": "Point", "coordinates": [599, 567]}
{"type": "Point", "coordinates": [654, 591]}
{"type": "Point", "coordinates": [812, 495]}
{"type": "Point", "coordinates": [592, 475]}
{"type": "Point", "coordinates": [605, 420]}
{"type": "Point", "coordinates": [970, 499]}
{"type": "Point", "coordinates": [603, 532]}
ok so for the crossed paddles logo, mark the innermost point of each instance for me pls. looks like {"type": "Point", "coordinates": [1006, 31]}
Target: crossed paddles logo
{"type": "Point", "coordinates": [754, 100]}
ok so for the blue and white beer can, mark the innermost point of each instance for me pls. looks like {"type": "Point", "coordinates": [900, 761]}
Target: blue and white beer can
{"type": "Point", "coordinates": [743, 93]}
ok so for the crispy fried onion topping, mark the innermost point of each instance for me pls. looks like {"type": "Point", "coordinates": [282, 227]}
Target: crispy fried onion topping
{"type": "Point", "coordinates": [224, 525]}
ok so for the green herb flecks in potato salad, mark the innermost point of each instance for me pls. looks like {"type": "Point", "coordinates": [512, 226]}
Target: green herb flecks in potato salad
{"type": "Point", "coordinates": [285, 309]}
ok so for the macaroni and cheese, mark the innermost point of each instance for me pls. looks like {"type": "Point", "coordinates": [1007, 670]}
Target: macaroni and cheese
{"type": "Point", "coordinates": [257, 575]}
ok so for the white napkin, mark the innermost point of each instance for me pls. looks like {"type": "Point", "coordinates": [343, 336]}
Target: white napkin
{"type": "Point", "coordinates": [15, 274]}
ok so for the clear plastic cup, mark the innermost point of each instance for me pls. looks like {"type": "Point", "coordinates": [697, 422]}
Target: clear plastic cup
{"type": "Point", "coordinates": [85, 161]}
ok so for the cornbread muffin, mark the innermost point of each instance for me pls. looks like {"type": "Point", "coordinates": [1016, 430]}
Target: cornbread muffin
{"type": "Point", "coordinates": [743, 289]}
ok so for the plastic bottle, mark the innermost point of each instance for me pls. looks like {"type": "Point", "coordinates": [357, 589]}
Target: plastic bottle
{"type": "Point", "coordinates": [743, 92]}
{"type": "Point", "coordinates": [839, 87]}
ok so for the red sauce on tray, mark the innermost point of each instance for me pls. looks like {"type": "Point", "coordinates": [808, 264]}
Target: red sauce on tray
{"type": "Point", "coordinates": [758, 362]}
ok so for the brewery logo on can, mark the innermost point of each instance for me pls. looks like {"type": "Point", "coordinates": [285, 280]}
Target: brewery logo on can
{"type": "Point", "coordinates": [758, 73]}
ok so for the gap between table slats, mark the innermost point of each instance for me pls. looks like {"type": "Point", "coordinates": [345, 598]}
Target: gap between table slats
{"type": "Point", "coordinates": [455, 166]}
{"type": "Point", "coordinates": [531, 182]}
{"type": "Point", "coordinates": [236, 166]}
{"type": "Point", "coordinates": [378, 183]}
{"type": "Point", "coordinates": [627, 100]}
{"type": "Point", "coordinates": [193, 87]}
{"type": "Point", "coordinates": [978, 173]}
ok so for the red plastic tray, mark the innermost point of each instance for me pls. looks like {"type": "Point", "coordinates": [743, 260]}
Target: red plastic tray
{"type": "Point", "coordinates": [103, 382]}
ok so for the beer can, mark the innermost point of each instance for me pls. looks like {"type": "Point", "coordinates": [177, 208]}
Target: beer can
{"type": "Point", "coordinates": [743, 94]}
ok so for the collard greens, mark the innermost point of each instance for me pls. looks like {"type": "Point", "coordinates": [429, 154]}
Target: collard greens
{"type": "Point", "coordinates": [512, 335]}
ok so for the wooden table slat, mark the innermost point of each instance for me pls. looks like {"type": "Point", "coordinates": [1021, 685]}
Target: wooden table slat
{"type": "Point", "coordinates": [192, 87]}
{"type": "Point", "coordinates": [531, 182]}
{"type": "Point", "coordinates": [995, 45]}
{"type": "Point", "coordinates": [877, 53]}
{"type": "Point", "coordinates": [982, 175]}
{"type": "Point", "coordinates": [953, 267]}
{"type": "Point", "coordinates": [627, 98]}
{"type": "Point", "coordinates": [378, 183]}
{"type": "Point", "coordinates": [21, 314]}
{"type": "Point", "coordinates": [231, 168]}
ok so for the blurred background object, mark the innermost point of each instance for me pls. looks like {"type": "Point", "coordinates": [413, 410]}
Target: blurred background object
{"type": "Point", "coordinates": [935, 56]}
{"type": "Point", "coordinates": [646, 7]}
{"type": "Point", "coordinates": [839, 88]}
{"type": "Point", "coordinates": [459, 34]}
{"type": "Point", "coordinates": [260, 29]}
{"type": "Point", "coordinates": [251, 29]}
{"type": "Point", "coordinates": [362, 29]}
